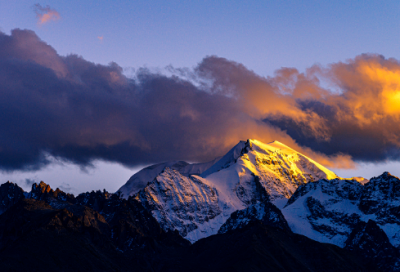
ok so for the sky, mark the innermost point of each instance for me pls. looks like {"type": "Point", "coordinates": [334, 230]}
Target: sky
{"type": "Point", "coordinates": [94, 90]}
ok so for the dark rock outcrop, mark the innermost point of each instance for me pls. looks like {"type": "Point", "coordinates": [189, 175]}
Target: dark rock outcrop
{"type": "Point", "coordinates": [36, 237]}
{"type": "Point", "coordinates": [265, 212]}
{"type": "Point", "coordinates": [371, 242]}
{"type": "Point", "coordinates": [131, 225]}
{"type": "Point", "coordinates": [99, 231]}
{"type": "Point", "coordinates": [57, 198]}
{"type": "Point", "coordinates": [379, 193]}
{"type": "Point", "coordinates": [10, 194]}
{"type": "Point", "coordinates": [257, 247]}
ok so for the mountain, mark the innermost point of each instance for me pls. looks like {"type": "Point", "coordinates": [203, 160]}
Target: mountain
{"type": "Point", "coordinates": [264, 212]}
{"type": "Point", "coordinates": [250, 173]}
{"type": "Point", "coordinates": [276, 167]}
{"type": "Point", "coordinates": [328, 210]}
{"type": "Point", "coordinates": [34, 236]}
{"type": "Point", "coordinates": [139, 180]}
{"type": "Point", "coordinates": [131, 225]}
{"type": "Point", "coordinates": [10, 194]}
{"type": "Point", "coordinates": [258, 247]}
{"type": "Point", "coordinates": [100, 231]}
{"type": "Point", "coordinates": [371, 242]}
{"type": "Point", "coordinates": [95, 231]}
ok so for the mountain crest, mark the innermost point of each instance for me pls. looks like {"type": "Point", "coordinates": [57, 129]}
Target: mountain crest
{"type": "Point", "coordinates": [251, 172]}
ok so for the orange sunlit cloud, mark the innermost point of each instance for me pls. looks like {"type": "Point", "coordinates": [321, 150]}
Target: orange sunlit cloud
{"type": "Point", "coordinates": [363, 107]}
{"type": "Point", "coordinates": [45, 14]}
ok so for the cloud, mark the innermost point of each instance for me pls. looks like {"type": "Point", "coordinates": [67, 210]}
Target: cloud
{"type": "Point", "coordinates": [45, 14]}
{"type": "Point", "coordinates": [100, 38]}
{"type": "Point", "coordinates": [78, 111]}
{"type": "Point", "coordinates": [29, 182]}
{"type": "Point", "coordinates": [66, 187]}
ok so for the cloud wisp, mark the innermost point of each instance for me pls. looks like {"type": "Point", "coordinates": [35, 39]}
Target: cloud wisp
{"type": "Point", "coordinates": [69, 108]}
{"type": "Point", "coordinates": [45, 14]}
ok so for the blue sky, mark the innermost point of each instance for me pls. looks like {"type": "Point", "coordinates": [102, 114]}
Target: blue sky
{"type": "Point", "coordinates": [262, 35]}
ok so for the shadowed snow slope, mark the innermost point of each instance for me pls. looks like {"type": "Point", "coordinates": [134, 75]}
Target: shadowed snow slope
{"type": "Point", "coordinates": [328, 210]}
{"type": "Point", "coordinates": [139, 180]}
{"type": "Point", "coordinates": [251, 172]}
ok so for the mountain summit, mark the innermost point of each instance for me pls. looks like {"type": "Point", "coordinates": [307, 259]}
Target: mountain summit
{"type": "Point", "coordinates": [198, 201]}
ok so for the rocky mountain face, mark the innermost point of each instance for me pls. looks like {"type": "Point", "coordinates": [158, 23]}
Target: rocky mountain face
{"type": "Point", "coordinates": [325, 210]}
{"type": "Point", "coordinates": [257, 247]}
{"type": "Point", "coordinates": [371, 242]}
{"type": "Point", "coordinates": [130, 224]}
{"type": "Point", "coordinates": [328, 210]}
{"type": "Point", "coordinates": [139, 180]}
{"type": "Point", "coordinates": [255, 208]}
{"type": "Point", "coordinates": [10, 194]}
{"type": "Point", "coordinates": [264, 212]}
{"type": "Point", "coordinates": [249, 173]}
{"type": "Point", "coordinates": [57, 198]}
{"type": "Point", "coordinates": [278, 168]}
{"type": "Point", "coordinates": [99, 231]}
{"type": "Point", "coordinates": [36, 237]}
{"type": "Point", "coordinates": [180, 203]}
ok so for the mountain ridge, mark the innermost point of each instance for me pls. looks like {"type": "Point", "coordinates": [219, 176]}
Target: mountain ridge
{"type": "Point", "coordinates": [249, 173]}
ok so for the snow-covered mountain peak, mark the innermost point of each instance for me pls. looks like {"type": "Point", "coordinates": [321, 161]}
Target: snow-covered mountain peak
{"type": "Point", "coordinates": [228, 159]}
{"type": "Point", "coordinates": [251, 172]}
{"type": "Point", "coordinates": [279, 168]}
{"type": "Point", "coordinates": [273, 146]}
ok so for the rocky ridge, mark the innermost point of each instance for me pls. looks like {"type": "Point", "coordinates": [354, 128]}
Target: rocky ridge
{"type": "Point", "coordinates": [328, 210]}
{"type": "Point", "coordinates": [249, 173]}
{"type": "Point", "coordinates": [10, 194]}
{"type": "Point", "coordinates": [371, 242]}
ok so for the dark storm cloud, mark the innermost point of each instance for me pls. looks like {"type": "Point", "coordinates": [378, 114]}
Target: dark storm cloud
{"type": "Point", "coordinates": [78, 111]}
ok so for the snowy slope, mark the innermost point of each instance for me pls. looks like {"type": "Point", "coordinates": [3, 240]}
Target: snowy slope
{"type": "Point", "coordinates": [181, 203]}
{"type": "Point", "coordinates": [278, 168]}
{"type": "Point", "coordinates": [250, 173]}
{"type": "Point", "coordinates": [328, 210]}
{"type": "Point", "coordinates": [139, 180]}
{"type": "Point", "coordinates": [325, 211]}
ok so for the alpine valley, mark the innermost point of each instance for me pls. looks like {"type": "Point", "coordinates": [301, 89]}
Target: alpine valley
{"type": "Point", "coordinates": [261, 207]}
